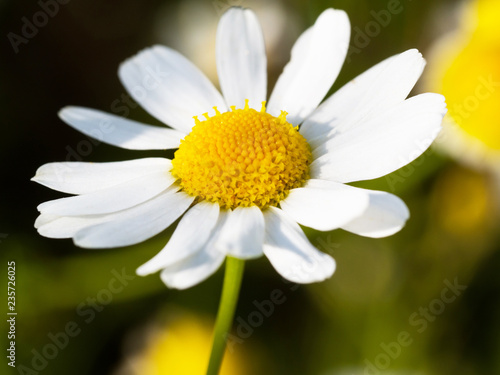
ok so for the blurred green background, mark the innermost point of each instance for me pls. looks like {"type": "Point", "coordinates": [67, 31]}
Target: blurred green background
{"type": "Point", "coordinates": [386, 310]}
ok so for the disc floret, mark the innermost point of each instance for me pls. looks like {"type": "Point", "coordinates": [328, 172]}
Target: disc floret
{"type": "Point", "coordinates": [242, 157]}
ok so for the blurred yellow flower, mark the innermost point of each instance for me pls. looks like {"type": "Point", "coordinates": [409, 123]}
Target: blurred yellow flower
{"type": "Point", "coordinates": [475, 213]}
{"type": "Point", "coordinates": [180, 347]}
{"type": "Point", "coordinates": [465, 68]}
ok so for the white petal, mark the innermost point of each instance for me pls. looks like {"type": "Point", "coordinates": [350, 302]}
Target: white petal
{"type": "Point", "coordinates": [199, 266]}
{"type": "Point", "coordinates": [386, 214]}
{"type": "Point", "coordinates": [68, 226]}
{"type": "Point", "coordinates": [193, 270]}
{"type": "Point", "coordinates": [54, 226]}
{"type": "Point", "coordinates": [169, 87]}
{"type": "Point", "coordinates": [291, 253]}
{"type": "Point", "coordinates": [242, 235]}
{"type": "Point", "coordinates": [136, 224]}
{"type": "Point", "coordinates": [241, 58]}
{"type": "Point", "coordinates": [83, 178]}
{"type": "Point", "coordinates": [119, 131]}
{"type": "Point", "coordinates": [113, 199]}
{"type": "Point", "coordinates": [191, 234]}
{"type": "Point", "coordinates": [383, 144]}
{"type": "Point", "coordinates": [376, 90]}
{"type": "Point", "coordinates": [317, 57]}
{"type": "Point", "coordinates": [44, 219]}
{"type": "Point", "coordinates": [324, 205]}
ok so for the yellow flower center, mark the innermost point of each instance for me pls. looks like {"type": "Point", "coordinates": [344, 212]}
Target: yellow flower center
{"type": "Point", "coordinates": [242, 158]}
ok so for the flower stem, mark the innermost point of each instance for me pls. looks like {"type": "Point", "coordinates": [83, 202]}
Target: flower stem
{"type": "Point", "coordinates": [225, 315]}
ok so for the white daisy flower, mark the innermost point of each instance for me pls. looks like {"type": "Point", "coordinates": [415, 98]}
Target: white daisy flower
{"type": "Point", "coordinates": [247, 172]}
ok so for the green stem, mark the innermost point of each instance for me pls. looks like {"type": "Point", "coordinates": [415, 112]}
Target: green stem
{"type": "Point", "coordinates": [225, 315]}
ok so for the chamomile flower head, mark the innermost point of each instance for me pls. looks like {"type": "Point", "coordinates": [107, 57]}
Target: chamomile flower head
{"type": "Point", "coordinates": [248, 169]}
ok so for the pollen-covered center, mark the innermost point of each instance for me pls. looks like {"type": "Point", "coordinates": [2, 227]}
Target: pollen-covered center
{"type": "Point", "coordinates": [242, 158]}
